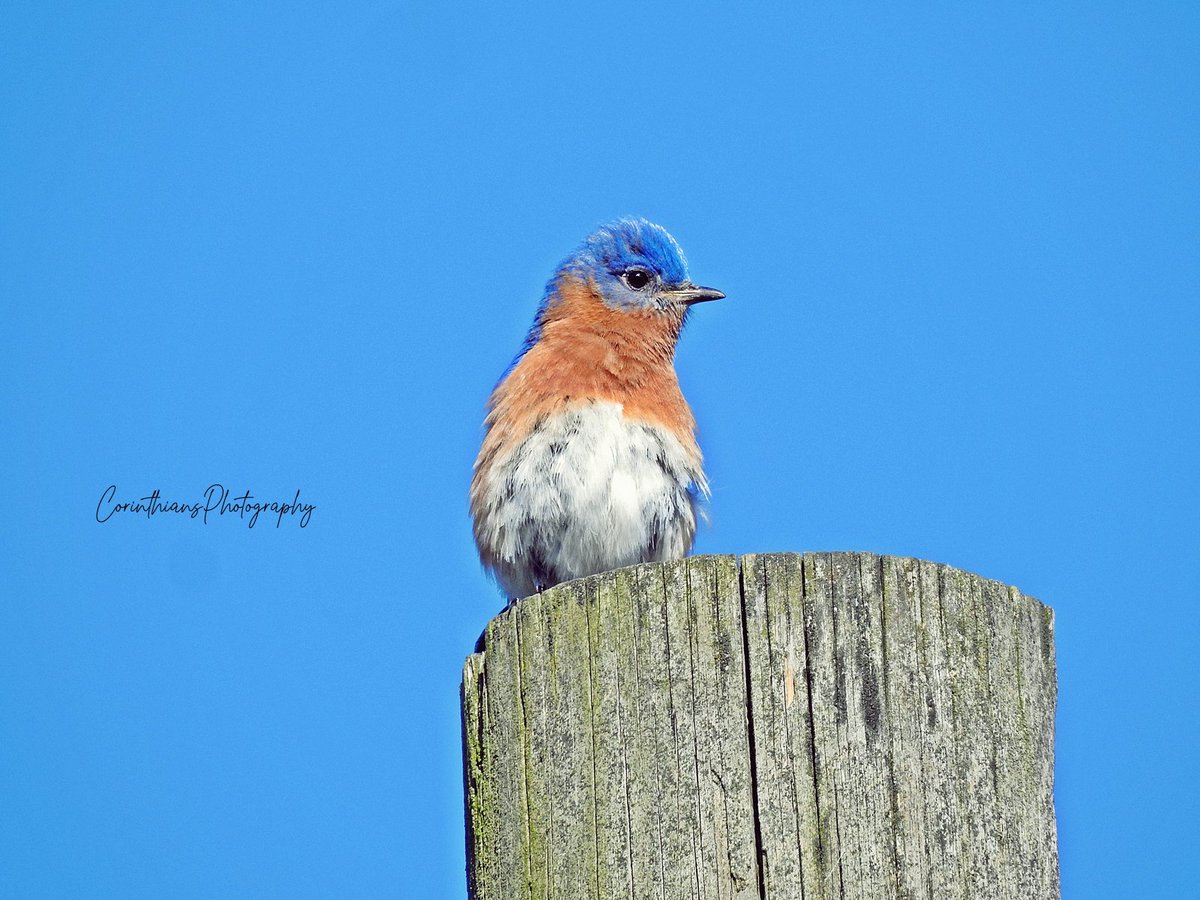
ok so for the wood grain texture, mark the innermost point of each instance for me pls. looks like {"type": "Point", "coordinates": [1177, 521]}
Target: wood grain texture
{"type": "Point", "coordinates": [833, 725]}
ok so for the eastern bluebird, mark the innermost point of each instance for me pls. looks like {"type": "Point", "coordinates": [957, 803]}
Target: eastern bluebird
{"type": "Point", "coordinates": [590, 460]}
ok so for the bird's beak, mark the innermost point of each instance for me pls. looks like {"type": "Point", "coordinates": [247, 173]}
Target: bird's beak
{"type": "Point", "coordinates": [689, 293]}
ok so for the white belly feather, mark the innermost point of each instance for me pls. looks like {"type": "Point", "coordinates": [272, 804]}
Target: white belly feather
{"type": "Point", "coordinates": [588, 491]}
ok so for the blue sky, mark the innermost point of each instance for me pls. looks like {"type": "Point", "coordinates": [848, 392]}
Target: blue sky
{"type": "Point", "coordinates": [291, 247]}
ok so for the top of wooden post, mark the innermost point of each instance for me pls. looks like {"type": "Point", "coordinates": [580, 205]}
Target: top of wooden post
{"type": "Point", "coordinates": [781, 725]}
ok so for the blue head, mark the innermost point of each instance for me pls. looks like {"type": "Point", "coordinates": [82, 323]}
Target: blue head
{"type": "Point", "coordinates": [635, 265]}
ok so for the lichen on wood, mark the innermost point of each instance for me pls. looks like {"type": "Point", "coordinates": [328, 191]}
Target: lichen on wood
{"type": "Point", "coordinates": [778, 726]}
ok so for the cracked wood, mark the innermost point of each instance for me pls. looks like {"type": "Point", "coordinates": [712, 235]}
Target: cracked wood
{"type": "Point", "coordinates": [832, 725]}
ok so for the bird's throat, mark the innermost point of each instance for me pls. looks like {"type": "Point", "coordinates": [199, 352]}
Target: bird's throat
{"type": "Point", "coordinates": [578, 323]}
{"type": "Point", "coordinates": [586, 349]}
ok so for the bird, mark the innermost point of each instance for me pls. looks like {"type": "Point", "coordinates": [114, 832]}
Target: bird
{"type": "Point", "coordinates": [589, 460]}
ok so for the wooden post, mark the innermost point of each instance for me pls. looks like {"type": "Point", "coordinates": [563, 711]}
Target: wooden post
{"type": "Point", "coordinates": [781, 726]}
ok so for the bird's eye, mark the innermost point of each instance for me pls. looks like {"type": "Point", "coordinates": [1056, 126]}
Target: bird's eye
{"type": "Point", "coordinates": [636, 278]}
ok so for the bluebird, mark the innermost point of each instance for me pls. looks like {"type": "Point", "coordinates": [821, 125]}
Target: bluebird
{"type": "Point", "coordinates": [589, 461]}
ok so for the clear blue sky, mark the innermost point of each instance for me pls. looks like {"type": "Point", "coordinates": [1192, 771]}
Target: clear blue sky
{"type": "Point", "coordinates": [285, 248]}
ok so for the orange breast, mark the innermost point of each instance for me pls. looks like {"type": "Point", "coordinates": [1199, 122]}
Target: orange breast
{"type": "Point", "coordinates": [588, 350]}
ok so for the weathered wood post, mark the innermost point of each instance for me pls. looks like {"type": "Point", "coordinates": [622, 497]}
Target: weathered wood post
{"type": "Point", "coordinates": [779, 726]}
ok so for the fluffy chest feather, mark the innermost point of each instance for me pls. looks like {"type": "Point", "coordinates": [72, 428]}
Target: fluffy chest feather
{"type": "Point", "coordinates": [586, 490]}
{"type": "Point", "coordinates": [590, 460]}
